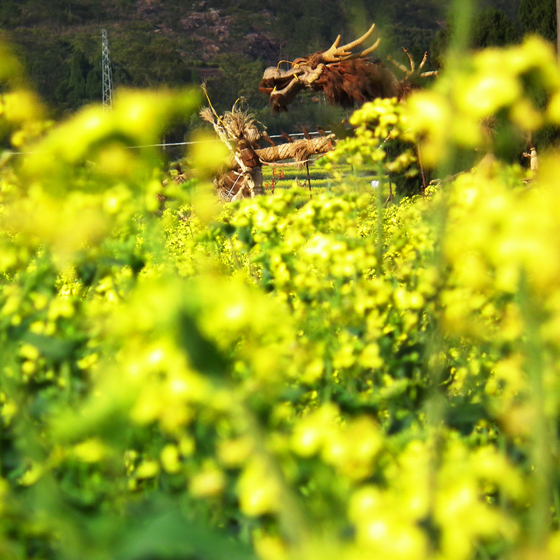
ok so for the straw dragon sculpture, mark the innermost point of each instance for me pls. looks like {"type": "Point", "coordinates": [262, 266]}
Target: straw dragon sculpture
{"type": "Point", "coordinates": [346, 78]}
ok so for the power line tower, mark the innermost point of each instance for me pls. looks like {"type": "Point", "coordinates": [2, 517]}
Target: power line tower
{"type": "Point", "coordinates": [106, 72]}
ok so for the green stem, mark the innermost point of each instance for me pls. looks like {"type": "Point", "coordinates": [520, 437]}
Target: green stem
{"type": "Point", "coordinates": [461, 13]}
{"type": "Point", "coordinates": [234, 254]}
{"type": "Point", "coordinates": [380, 211]}
{"type": "Point", "coordinates": [291, 517]}
{"type": "Point", "coordinates": [541, 455]}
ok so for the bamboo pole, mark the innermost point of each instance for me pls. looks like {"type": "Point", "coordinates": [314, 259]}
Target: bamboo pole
{"type": "Point", "coordinates": [300, 150]}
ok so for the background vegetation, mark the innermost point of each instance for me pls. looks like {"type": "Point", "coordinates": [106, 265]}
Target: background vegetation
{"type": "Point", "coordinates": [156, 42]}
{"type": "Point", "coordinates": [299, 375]}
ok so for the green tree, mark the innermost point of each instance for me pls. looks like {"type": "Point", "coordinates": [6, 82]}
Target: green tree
{"type": "Point", "coordinates": [10, 13]}
{"type": "Point", "coordinates": [493, 28]}
{"type": "Point", "coordinates": [240, 78]}
{"type": "Point", "coordinates": [412, 24]}
{"type": "Point", "coordinates": [538, 17]}
{"type": "Point", "coordinates": [509, 7]}
{"type": "Point", "coordinates": [490, 28]}
{"type": "Point", "coordinates": [78, 73]}
{"type": "Point", "coordinates": [82, 85]}
{"type": "Point", "coordinates": [94, 83]}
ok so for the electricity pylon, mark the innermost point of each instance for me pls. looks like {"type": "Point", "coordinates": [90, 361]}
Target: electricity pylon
{"type": "Point", "coordinates": [106, 72]}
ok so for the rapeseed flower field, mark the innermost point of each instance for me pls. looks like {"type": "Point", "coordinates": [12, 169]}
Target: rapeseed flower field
{"type": "Point", "coordinates": [348, 377]}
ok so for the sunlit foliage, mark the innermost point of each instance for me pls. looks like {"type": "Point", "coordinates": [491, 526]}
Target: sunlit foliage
{"type": "Point", "coordinates": [344, 378]}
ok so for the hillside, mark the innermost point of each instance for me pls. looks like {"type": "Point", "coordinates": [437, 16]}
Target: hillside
{"type": "Point", "coordinates": [228, 43]}
{"type": "Point", "coordinates": [155, 42]}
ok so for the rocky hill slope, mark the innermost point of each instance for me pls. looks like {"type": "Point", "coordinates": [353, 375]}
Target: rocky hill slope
{"type": "Point", "coordinates": [156, 42]}
{"type": "Point", "coordinates": [175, 42]}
